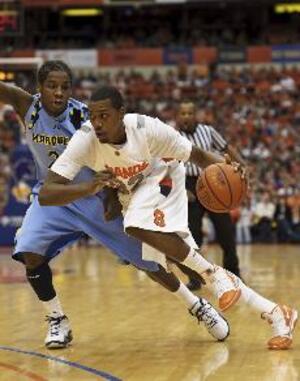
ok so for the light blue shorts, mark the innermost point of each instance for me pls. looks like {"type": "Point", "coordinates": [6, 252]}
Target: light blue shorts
{"type": "Point", "coordinates": [47, 230]}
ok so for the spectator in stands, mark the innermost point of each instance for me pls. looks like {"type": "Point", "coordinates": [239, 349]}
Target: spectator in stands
{"type": "Point", "coordinates": [243, 224]}
{"type": "Point", "coordinates": [263, 214]}
{"type": "Point", "coordinates": [283, 218]}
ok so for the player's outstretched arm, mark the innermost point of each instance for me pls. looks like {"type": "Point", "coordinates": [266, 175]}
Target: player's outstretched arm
{"type": "Point", "coordinates": [58, 190]}
{"type": "Point", "coordinates": [16, 97]}
{"type": "Point", "coordinates": [203, 158]}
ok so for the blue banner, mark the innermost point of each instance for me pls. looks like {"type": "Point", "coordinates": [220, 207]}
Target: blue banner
{"type": "Point", "coordinates": [173, 56]}
{"type": "Point", "coordinates": [286, 53]}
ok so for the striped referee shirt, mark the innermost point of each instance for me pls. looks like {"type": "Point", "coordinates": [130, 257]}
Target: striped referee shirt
{"type": "Point", "coordinates": [207, 138]}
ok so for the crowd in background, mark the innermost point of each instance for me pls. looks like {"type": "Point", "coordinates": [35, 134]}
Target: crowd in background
{"type": "Point", "coordinates": [257, 111]}
{"type": "Point", "coordinates": [197, 24]}
{"type": "Point", "coordinates": [153, 36]}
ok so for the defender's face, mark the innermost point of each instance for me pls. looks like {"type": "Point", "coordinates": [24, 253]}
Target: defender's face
{"type": "Point", "coordinates": [55, 92]}
{"type": "Point", "coordinates": [186, 116]}
{"type": "Point", "coordinates": [107, 121]}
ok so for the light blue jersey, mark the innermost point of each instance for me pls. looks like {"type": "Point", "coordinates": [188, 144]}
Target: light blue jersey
{"type": "Point", "coordinates": [47, 230]}
{"type": "Point", "coordinates": [48, 136]}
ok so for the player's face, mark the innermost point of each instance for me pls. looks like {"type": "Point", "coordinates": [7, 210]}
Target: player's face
{"type": "Point", "coordinates": [55, 92]}
{"type": "Point", "coordinates": [107, 122]}
{"type": "Point", "coordinates": [186, 117]}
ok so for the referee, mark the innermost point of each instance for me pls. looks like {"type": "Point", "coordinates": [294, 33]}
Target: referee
{"type": "Point", "coordinates": [206, 137]}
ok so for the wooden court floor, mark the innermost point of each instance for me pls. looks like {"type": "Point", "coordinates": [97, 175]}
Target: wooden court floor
{"type": "Point", "coordinates": [128, 328]}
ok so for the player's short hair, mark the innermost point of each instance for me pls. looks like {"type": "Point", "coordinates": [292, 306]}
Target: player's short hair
{"type": "Point", "coordinates": [108, 92]}
{"type": "Point", "coordinates": [55, 65]}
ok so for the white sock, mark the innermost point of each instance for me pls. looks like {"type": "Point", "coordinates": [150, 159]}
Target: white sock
{"type": "Point", "coordinates": [53, 307]}
{"type": "Point", "coordinates": [196, 262]}
{"type": "Point", "coordinates": [186, 296]}
{"type": "Point", "coordinates": [255, 301]}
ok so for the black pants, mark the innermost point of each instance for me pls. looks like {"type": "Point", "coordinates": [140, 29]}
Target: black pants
{"type": "Point", "coordinates": [224, 228]}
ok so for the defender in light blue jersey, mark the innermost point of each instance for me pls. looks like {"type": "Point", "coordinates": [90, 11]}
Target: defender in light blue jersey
{"type": "Point", "coordinates": [51, 118]}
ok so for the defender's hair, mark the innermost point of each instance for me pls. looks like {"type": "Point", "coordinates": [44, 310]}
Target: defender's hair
{"type": "Point", "coordinates": [55, 65]}
{"type": "Point", "coordinates": [108, 92]}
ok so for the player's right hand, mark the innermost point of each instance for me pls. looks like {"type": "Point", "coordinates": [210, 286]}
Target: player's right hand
{"type": "Point", "coordinates": [238, 167]}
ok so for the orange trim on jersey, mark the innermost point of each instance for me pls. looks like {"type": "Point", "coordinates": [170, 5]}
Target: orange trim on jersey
{"type": "Point", "coordinates": [167, 181]}
{"type": "Point", "coordinates": [128, 172]}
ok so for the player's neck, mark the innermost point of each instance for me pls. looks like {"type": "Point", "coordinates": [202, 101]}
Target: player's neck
{"type": "Point", "coordinates": [55, 115]}
{"type": "Point", "coordinates": [122, 137]}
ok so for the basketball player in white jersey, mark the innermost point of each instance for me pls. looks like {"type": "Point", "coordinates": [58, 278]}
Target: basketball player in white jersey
{"type": "Point", "coordinates": [50, 118]}
{"type": "Point", "coordinates": [137, 154]}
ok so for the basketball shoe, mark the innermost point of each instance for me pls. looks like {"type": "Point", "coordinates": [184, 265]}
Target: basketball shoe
{"type": "Point", "coordinates": [214, 322]}
{"type": "Point", "coordinates": [283, 320]}
{"type": "Point", "coordinates": [223, 285]}
{"type": "Point", "coordinates": [59, 332]}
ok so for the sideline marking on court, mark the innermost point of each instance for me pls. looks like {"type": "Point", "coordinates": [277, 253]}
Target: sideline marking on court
{"type": "Point", "coordinates": [31, 375]}
{"type": "Point", "coordinates": [96, 372]}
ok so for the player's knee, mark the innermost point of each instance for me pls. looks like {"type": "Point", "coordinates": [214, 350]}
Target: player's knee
{"type": "Point", "coordinates": [32, 261]}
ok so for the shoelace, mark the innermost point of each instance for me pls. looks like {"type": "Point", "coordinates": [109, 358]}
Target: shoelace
{"type": "Point", "coordinates": [54, 324]}
{"type": "Point", "coordinates": [205, 313]}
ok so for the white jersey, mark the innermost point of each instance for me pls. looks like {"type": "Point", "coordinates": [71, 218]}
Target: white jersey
{"type": "Point", "coordinates": [149, 142]}
{"type": "Point", "coordinates": [155, 197]}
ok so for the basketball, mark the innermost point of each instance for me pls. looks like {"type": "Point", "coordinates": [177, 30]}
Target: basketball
{"type": "Point", "coordinates": [220, 188]}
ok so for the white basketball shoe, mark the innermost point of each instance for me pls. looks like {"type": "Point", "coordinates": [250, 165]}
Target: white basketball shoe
{"type": "Point", "coordinates": [283, 320]}
{"type": "Point", "coordinates": [224, 287]}
{"type": "Point", "coordinates": [59, 332]}
{"type": "Point", "coordinates": [214, 322]}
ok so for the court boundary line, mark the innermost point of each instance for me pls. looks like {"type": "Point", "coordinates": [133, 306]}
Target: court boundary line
{"type": "Point", "coordinates": [85, 368]}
